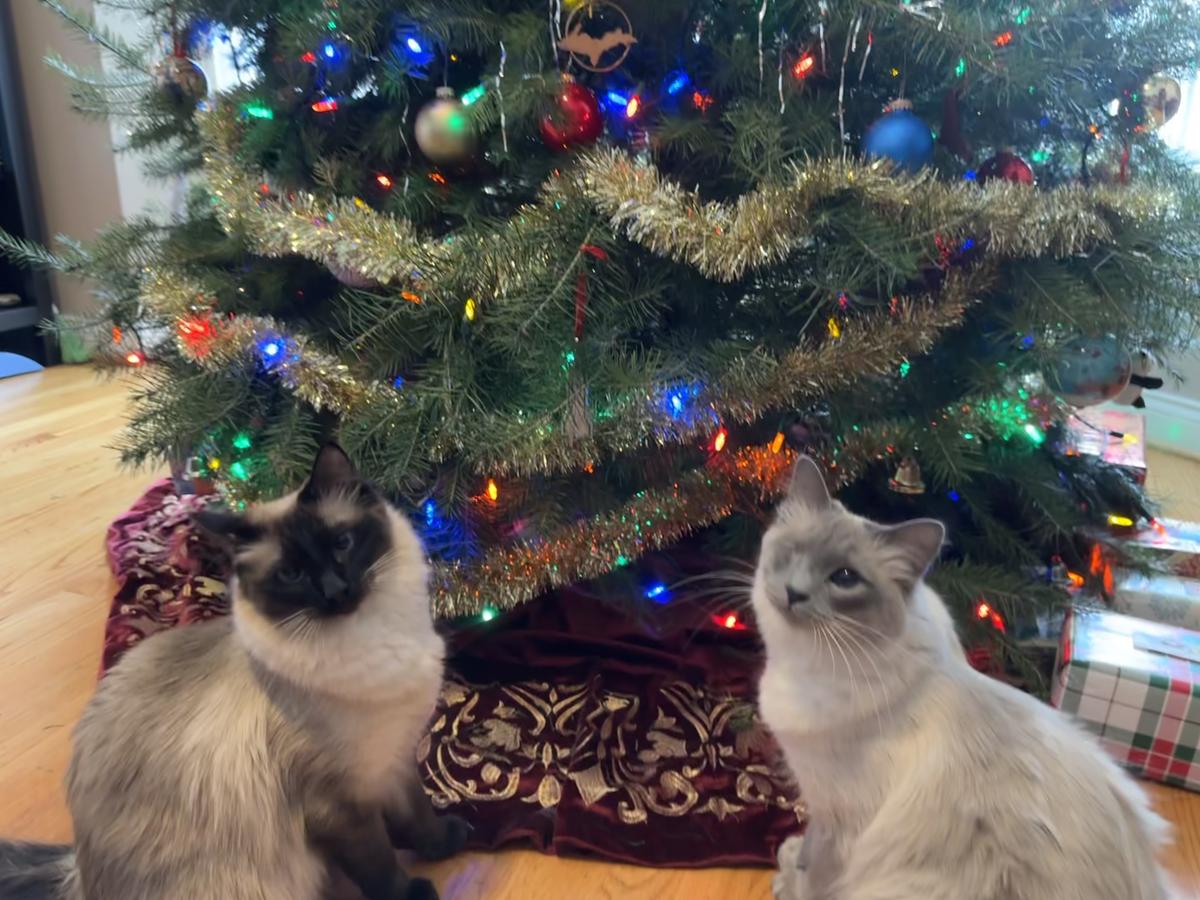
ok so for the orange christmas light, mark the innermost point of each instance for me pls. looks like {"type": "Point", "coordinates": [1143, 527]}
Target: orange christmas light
{"type": "Point", "coordinates": [803, 67]}
{"type": "Point", "coordinates": [135, 358]}
{"type": "Point", "coordinates": [718, 443]}
{"type": "Point", "coordinates": [493, 491]}
{"type": "Point", "coordinates": [384, 182]}
{"type": "Point", "coordinates": [777, 443]}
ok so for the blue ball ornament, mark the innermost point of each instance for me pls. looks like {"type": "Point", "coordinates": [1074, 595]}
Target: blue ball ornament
{"type": "Point", "coordinates": [1091, 370]}
{"type": "Point", "coordinates": [901, 137]}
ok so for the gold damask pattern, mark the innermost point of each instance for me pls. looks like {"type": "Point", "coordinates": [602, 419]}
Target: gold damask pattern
{"type": "Point", "coordinates": [704, 753]}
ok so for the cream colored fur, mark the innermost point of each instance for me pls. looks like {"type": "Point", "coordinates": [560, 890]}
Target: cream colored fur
{"type": "Point", "coordinates": [194, 759]}
{"type": "Point", "coordinates": [926, 780]}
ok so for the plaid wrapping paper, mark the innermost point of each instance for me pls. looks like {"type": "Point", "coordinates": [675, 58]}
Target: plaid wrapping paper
{"type": "Point", "coordinates": [1159, 598]}
{"type": "Point", "coordinates": [1143, 705]}
{"type": "Point", "coordinates": [1115, 435]}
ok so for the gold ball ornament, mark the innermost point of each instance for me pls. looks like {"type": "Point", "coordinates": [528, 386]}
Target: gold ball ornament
{"type": "Point", "coordinates": [181, 79]}
{"type": "Point", "coordinates": [1161, 96]}
{"type": "Point", "coordinates": [443, 130]}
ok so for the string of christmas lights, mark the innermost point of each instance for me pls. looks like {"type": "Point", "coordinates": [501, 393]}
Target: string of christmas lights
{"type": "Point", "coordinates": [508, 576]}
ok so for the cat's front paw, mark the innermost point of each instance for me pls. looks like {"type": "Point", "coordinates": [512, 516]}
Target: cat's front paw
{"type": "Point", "coordinates": [419, 889]}
{"type": "Point", "coordinates": [448, 837]}
{"type": "Point", "coordinates": [791, 881]}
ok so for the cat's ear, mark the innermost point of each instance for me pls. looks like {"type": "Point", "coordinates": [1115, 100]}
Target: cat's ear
{"type": "Point", "coordinates": [919, 542]}
{"type": "Point", "coordinates": [808, 485]}
{"type": "Point", "coordinates": [332, 472]}
{"type": "Point", "coordinates": [226, 527]}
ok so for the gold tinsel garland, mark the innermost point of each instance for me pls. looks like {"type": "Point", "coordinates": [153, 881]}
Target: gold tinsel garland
{"type": "Point", "coordinates": [725, 240]}
{"type": "Point", "coordinates": [508, 576]}
{"type": "Point", "coordinates": [216, 343]}
{"type": "Point", "coordinates": [345, 235]}
{"type": "Point", "coordinates": [751, 386]}
{"type": "Point", "coordinates": [721, 240]}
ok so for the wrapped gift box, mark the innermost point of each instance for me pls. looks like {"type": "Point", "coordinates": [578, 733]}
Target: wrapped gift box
{"type": "Point", "coordinates": [1168, 599]}
{"type": "Point", "coordinates": [1173, 543]}
{"type": "Point", "coordinates": [1117, 436]}
{"type": "Point", "coordinates": [1136, 685]}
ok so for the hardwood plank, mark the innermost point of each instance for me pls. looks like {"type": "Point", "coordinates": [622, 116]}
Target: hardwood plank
{"type": "Point", "coordinates": [62, 487]}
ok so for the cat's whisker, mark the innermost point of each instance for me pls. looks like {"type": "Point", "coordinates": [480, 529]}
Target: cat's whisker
{"type": "Point", "coordinates": [862, 656]}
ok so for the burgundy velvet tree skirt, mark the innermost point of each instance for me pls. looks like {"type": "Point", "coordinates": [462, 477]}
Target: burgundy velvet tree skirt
{"type": "Point", "coordinates": [564, 726]}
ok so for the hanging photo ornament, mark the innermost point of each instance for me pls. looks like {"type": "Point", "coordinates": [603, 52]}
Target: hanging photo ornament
{"type": "Point", "coordinates": [1161, 96]}
{"type": "Point", "coordinates": [181, 79]}
{"type": "Point", "coordinates": [598, 36]}
{"type": "Point", "coordinates": [1090, 370]}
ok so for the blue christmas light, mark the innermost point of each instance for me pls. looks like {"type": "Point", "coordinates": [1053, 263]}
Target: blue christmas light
{"type": "Point", "coordinates": [968, 244]}
{"type": "Point", "coordinates": [678, 401]}
{"type": "Point", "coordinates": [398, 382]}
{"type": "Point", "coordinates": [271, 350]}
{"type": "Point", "coordinates": [1027, 341]}
{"type": "Point", "coordinates": [616, 100]}
{"type": "Point", "coordinates": [414, 49]}
{"type": "Point", "coordinates": [329, 51]}
{"type": "Point", "coordinates": [970, 175]}
{"type": "Point", "coordinates": [657, 592]}
{"type": "Point", "coordinates": [954, 496]}
{"type": "Point", "coordinates": [431, 515]}
{"type": "Point", "coordinates": [676, 82]}
{"type": "Point", "coordinates": [1044, 121]}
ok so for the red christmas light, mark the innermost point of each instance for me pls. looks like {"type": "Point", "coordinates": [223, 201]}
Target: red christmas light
{"type": "Point", "coordinates": [135, 358]}
{"type": "Point", "coordinates": [384, 182]}
{"type": "Point", "coordinates": [116, 335]}
{"type": "Point", "coordinates": [195, 330]}
{"type": "Point", "coordinates": [308, 57]}
{"type": "Point", "coordinates": [1003, 39]}
{"type": "Point", "coordinates": [701, 100]}
{"type": "Point", "coordinates": [632, 107]}
{"type": "Point", "coordinates": [985, 612]}
{"type": "Point", "coordinates": [803, 67]}
{"type": "Point", "coordinates": [719, 440]}
{"type": "Point", "coordinates": [324, 106]}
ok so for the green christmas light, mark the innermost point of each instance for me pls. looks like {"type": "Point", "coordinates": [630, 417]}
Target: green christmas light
{"type": "Point", "coordinates": [238, 471]}
{"type": "Point", "coordinates": [474, 94]}
{"type": "Point", "coordinates": [1023, 16]}
{"type": "Point", "coordinates": [241, 441]}
{"type": "Point", "coordinates": [905, 368]}
{"type": "Point", "coordinates": [489, 613]}
{"type": "Point", "coordinates": [258, 111]}
{"type": "Point", "coordinates": [622, 561]}
{"type": "Point", "coordinates": [1035, 433]}
{"type": "Point", "coordinates": [961, 69]}
{"type": "Point", "coordinates": [1039, 156]}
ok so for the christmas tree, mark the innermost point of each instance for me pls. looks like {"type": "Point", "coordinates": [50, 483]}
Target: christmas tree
{"type": "Point", "coordinates": [573, 281]}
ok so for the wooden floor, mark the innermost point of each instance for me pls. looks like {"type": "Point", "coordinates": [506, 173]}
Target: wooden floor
{"type": "Point", "coordinates": [61, 487]}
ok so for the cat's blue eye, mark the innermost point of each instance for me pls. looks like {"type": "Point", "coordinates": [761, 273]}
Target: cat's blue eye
{"type": "Point", "coordinates": [344, 541]}
{"type": "Point", "coordinates": [289, 575]}
{"type": "Point", "coordinates": [845, 578]}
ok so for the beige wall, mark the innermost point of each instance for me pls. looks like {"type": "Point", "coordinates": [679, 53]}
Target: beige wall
{"type": "Point", "coordinates": [73, 155]}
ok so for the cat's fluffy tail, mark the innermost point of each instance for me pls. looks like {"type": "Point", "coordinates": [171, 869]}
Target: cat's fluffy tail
{"type": "Point", "coordinates": [37, 872]}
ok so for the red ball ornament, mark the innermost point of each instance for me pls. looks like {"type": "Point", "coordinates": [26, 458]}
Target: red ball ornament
{"type": "Point", "coordinates": [1006, 165]}
{"type": "Point", "coordinates": [574, 120]}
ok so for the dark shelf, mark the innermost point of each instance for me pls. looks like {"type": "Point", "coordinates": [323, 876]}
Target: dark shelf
{"type": "Point", "coordinates": [19, 210]}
